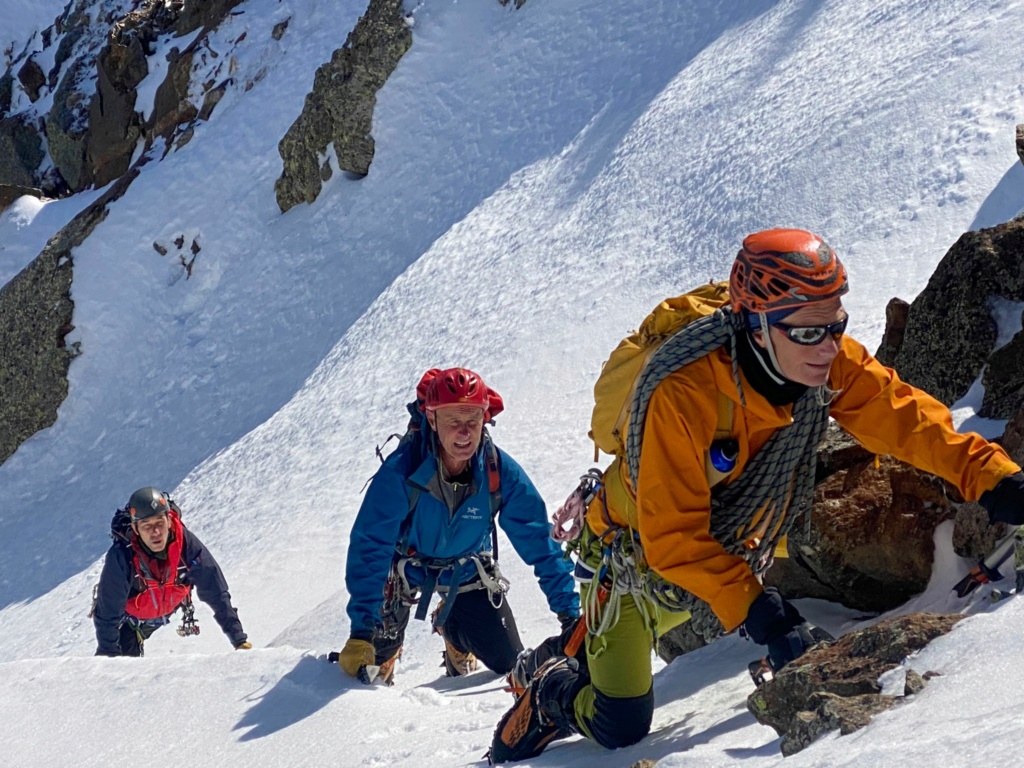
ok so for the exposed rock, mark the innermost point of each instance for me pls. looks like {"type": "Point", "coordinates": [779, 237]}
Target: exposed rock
{"type": "Point", "coordinates": [113, 122]}
{"type": "Point", "coordinates": [950, 331]}
{"type": "Point", "coordinates": [827, 712]}
{"type": "Point", "coordinates": [518, 3]}
{"type": "Point", "coordinates": [914, 683]}
{"type": "Point", "coordinates": [35, 316]}
{"type": "Point", "coordinates": [644, 763]}
{"type": "Point", "coordinates": [896, 312]}
{"type": "Point", "coordinates": [1003, 380]}
{"type": "Point", "coordinates": [67, 128]}
{"type": "Point", "coordinates": [339, 110]}
{"type": "Point", "coordinates": [32, 78]}
{"type": "Point", "coordinates": [21, 152]}
{"type": "Point", "coordinates": [172, 107]}
{"type": "Point", "coordinates": [837, 686]}
{"type": "Point", "coordinates": [678, 641]}
{"type": "Point", "coordinates": [6, 84]}
{"type": "Point", "coordinates": [212, 99]}
{"type": "Point", "coordinates": [1013, 437]}
{"type": "Point", "coordinates": [973, 535]}
{"type": "Point", "coordinates": [1020, 142]}
{"type": "Point", "coordinates": [279, 29]}
{"type": "Point", "coordinates": [202, 13]}
{"type": "Point", "coordinates": [838, 451]}
{"type": "Point", "coordinates": [11, 192]}
{"type": "Point", "coordinates": [870, 542]}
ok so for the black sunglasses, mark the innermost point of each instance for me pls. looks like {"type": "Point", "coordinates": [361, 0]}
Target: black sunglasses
{"type": "Point", "coordinates": [809, 335]}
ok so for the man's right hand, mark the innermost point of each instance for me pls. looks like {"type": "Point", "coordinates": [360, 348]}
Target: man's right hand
{"type": "Point", "coordinates": [357, 658]}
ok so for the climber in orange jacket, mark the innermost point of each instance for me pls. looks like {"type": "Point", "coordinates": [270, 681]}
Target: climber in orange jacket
{"type": "Point", "coordinates": [713, 500]}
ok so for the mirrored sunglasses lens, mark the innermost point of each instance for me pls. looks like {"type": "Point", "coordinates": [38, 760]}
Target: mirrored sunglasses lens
{"type": "Point", "coordinates": [813, 334]}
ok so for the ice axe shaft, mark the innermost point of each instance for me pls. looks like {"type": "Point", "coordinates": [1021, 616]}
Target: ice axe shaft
{"type": "Point", "coordinates": [987, 569]}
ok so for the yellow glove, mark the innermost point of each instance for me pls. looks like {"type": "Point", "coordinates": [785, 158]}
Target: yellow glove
{"type": "Point", "coordinates": [357, 658]}
{"type": "Point", "coordinates": [244, 646]}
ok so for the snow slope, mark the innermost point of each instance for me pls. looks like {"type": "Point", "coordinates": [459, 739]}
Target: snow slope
{"type": "Point", "coordinates": [542, 178]}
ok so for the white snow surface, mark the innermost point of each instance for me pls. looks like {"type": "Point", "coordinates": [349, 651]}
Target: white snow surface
{"type": "Point", "coordinates": [542, 178]}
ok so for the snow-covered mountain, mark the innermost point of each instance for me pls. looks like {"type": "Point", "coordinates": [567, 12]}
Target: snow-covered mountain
{"type": "Point", "coordinates": [542, 178]}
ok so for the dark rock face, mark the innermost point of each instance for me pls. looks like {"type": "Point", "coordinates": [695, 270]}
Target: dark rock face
{"type": "Point", "coordinates": [11, 192]}
{"type": "Point", "coordinates": [113, 122]}
{"type": "Point", "coordinates": [31, 78]}
{"type": "Point", "coordinates": [339, 110]}
{"type": "Point", "coordinates": [93, 136]}
{"type": "Point", "coordinates": [896, 313]}
{"type": "Point", "coordinates": [836, 687]}
{"type": "Point", "coordinates": [1004, 380]}
{"type": "Point", "coordinates": [21, 152]}
{"type": "Point", "coordinates": [35, 317]}
{"type": "Point", "coordinates": [202, 13]}
{"type": "Point", "coordinates": [950, 331]}
{"type": "Point", "coordinates": [67, 127]}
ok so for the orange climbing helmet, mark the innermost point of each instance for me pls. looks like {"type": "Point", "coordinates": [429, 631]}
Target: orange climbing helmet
{"type": "Point", "coordinates": [784, 269]}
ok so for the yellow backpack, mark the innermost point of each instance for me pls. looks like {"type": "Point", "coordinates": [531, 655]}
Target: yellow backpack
{"type": "Point", "coordinates": [613, 392]}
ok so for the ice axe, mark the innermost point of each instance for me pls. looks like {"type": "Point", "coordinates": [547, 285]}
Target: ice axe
{"type": "Point", "coordinates": [987, 569]}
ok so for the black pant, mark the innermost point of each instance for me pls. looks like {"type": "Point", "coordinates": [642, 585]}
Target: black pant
{"type": "Point", "coordinates": [132, 636]}
{"type": "Point", "coordinates": [474, 625]}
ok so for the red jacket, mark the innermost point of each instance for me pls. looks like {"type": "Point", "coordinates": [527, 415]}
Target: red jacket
{"type": "Point", "coordinates": [158, 588]}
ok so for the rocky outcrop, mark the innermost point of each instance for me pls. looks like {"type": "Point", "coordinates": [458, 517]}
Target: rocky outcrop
{"type": "Point", "coordinates": [35, 318]}
{"type": "Point", "coordinates": [837, 687]}
{"type": "Point", "coordinates": [870, 543]}
{"type": "Point", "coordinates": [11, 192]}
{"type": "Point", "coordinates": [896, 313]}
{"type": "Point", "coordinates": [1020, 142]}
{"type": "Point", "coordinates": [1003, 380]}
{"type": "Point", "coordinates": [67, 127]}
{"type": "Point", "coordinates": [339, 110]}
{"type": "Point", "coordinates": [951, 333]}
{"type": "Point", "coordinates": [94, 124]}
{"type": "Point", "coordinates": [21, 150]}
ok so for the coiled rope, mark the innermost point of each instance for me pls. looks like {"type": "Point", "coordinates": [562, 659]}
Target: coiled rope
{"type": "Point", "coordinates": [777, 483]}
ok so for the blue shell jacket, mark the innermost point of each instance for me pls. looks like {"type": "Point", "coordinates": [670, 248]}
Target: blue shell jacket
{"type": "Point", "coordinates": [435, 533]}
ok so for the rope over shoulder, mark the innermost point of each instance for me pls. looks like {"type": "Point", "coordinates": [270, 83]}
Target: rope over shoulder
{"type": "Point", "coordinates": [776, 487]}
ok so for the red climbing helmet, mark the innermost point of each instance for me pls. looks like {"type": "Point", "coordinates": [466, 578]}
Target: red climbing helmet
{"type": "Point", "coordinates": [784, 269]}
{"type": "Point", "coordinates": [457, 386]}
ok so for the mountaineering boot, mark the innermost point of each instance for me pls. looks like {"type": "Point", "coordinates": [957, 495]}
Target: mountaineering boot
{"type": "Point", "coordinates": [386, 673]}
{"type": "Point", "coordinates": [522, 673]}
{"type": "Point", "coordinates": [540, 715]}
{"type": "Point", "coordinates": [456, 663]}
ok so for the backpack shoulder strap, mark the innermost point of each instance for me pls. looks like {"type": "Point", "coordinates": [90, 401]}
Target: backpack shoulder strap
{"type": "Point", "coordinates": [493, 462]}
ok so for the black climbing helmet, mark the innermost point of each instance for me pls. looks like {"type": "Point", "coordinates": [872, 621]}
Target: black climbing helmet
{"type": "Point", "coordinates": [147, 502]}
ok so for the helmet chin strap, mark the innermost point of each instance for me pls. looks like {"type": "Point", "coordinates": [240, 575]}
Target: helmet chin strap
{"type": "Point", "coordinates": [774, 370]}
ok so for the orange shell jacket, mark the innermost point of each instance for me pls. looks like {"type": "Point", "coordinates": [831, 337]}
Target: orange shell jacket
{"type": "Point", "coordinates": [887, 415]}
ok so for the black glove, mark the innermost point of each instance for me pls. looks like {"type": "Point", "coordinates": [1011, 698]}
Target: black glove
{"type": "Point", "coordinates": [1005, 502]}
{"type": "Point", "coordinates": [567, 619]}
{"type": "Point", "coordinates": [774, 621]}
